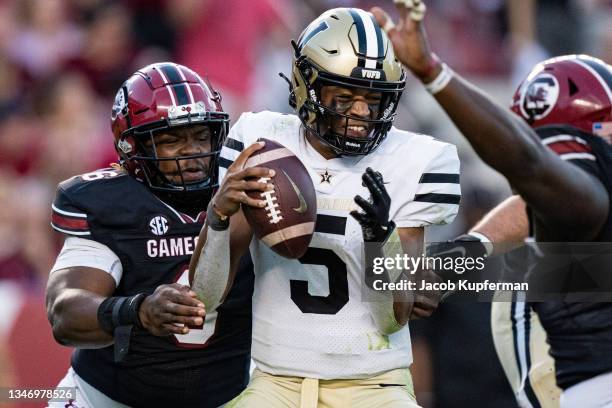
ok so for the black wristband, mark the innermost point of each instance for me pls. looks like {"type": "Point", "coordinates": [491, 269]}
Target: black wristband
{"type": "Point", "coordinates": [214, 221]}
{"type": "Point", "coordinates": [120, 311]}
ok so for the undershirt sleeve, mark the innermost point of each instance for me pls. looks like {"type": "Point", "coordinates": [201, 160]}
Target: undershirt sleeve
{"type": "Point", "coordinates": [88, 253]}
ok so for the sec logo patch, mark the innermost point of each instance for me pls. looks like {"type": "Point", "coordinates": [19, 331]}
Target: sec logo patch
{"type": "Point", "coordinates": [159, 225]}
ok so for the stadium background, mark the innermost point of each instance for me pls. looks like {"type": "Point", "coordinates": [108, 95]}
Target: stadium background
{"type": "Point", "coordinates": [61, 62]}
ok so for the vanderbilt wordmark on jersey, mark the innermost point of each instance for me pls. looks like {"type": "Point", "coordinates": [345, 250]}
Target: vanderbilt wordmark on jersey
{"type": "Point", "coordinates": [308, 316]}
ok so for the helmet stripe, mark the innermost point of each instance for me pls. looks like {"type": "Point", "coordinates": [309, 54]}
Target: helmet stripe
{"type": "Point", "coordinates": [165, 79]}
{"type": "Point", "coordinates": [604, 77]}
{"type": "Point", "coordinates": [179, 87]}
{"type": "Point", "coordinates": [379, 41]}
{"type": "Point", "coordinates": [178, 68]}
{"type": "Point", "coordinates": [181, 93]}
{"type": "Point", "coordinates": [361, 36]}
{"type": "Point", "coordinates": [604, 72]}
{"type": "Point", "coordinates": [370, 39]}
{"type": "Point", "coordinates": [321, 27]}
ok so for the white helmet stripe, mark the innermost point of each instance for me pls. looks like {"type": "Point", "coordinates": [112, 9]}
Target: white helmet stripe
{"type": "Point", "coordinates": [371, 39]}
{"type": "Point", "coordinates": [161, 72]}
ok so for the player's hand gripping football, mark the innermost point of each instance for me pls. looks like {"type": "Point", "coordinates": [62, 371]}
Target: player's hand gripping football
{"type": "Point", "coordinates": [409, 38]}
{"type": "Point", "coordinates": [374, 219]}
{"type": "Point", "coordinates": [170, 310]}
{"type": "Point", "coordinates": [238, 180]}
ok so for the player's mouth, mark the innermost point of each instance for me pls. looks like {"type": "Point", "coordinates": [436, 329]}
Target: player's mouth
{"type": "Point", "coordinates": [193, 174]}
{"type": "Point", "coordinates": [190, 175]}
{"type": "Point", "coordinates": [357, 131]}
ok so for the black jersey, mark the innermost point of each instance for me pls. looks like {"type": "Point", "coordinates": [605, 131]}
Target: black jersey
{"type": "Point", "coordinates": [154, 243]}
{"type": "Point", "coordinates": [580, 334]}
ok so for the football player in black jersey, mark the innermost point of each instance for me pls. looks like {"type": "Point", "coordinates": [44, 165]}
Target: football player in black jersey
{"type": "Point", "coordinates": [568, 121]}
{"type": "Point", "coordinates": [118, 291]}
{"type": "Point", "coordinates": [568, 202]}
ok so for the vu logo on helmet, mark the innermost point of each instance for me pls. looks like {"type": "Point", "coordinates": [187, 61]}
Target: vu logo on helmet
{"type": "Point", "coordinates": [345, 48]}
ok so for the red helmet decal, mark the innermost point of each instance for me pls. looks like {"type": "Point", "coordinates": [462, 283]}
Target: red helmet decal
{"type": "Point", "coordinates": [539, 97]}
{"type": "Point", "coordinates": [571, 90]}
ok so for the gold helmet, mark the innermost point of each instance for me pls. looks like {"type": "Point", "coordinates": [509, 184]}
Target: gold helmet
{"type": "Point", "coordinates": [345, 47]}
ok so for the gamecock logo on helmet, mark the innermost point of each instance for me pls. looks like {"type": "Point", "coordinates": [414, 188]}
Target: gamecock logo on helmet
{"type": "Point", "coordinates": [539, 96]}
{"type": "Point", "coordinates": [119, 104]}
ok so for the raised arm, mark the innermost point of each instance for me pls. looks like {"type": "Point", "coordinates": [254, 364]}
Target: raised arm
{"type": "Point", "coordinates": [500, 138]}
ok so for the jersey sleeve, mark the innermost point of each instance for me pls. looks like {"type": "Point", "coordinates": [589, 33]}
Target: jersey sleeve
{"type": "Point", "coordinates": [438, 193]}
{"type": "Point", "coordinates": [573, 149]}
{"type": "Point", "coordinates": [67, 217]}
{"type": "Point", "coordinates": [234, 144]}
{"type": "Point", "coordinates": [88, 253]}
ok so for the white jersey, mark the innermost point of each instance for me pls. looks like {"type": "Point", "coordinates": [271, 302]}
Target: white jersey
{"type": "Point", "coordinates": [309, 319]}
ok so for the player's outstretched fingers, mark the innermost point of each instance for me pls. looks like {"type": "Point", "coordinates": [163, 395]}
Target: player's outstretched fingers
{"type": "Point", "coordinates": [415, 9]}
{"type": "Point", "coordinates": [360, 217]}
{"type": "Point", "coordinates": [365, 205]}
{"type": "Point", "coordinates": [384, 20]}
{"type": "Point", "coordinates": [377, 190]}
{"type": "Point", "coordinates": [376, 176]}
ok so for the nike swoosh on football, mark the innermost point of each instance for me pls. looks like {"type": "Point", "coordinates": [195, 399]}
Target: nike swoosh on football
{"type": "Point", "coordinates": [303, 206]}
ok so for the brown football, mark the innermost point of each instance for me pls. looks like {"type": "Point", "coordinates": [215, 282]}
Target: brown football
{"type": "Point", "coordinates": [287, 222]}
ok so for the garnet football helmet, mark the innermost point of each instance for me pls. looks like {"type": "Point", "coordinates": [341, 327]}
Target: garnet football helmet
{"type": "Point", "coordinates": [571, 90]}
{"type": "Point", "coordinates": [156, 98]}
{"type": "Point", "coordinates": [345, 47]}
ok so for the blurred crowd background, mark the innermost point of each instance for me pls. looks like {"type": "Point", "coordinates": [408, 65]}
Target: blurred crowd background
{"type": "Point", "coordinates": [61, 62]}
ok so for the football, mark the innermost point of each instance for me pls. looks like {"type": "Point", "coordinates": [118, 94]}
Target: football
{"type": "Point", "coordinates": [287, 222]}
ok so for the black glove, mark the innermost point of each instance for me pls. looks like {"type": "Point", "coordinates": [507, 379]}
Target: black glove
{"type": "Point", "coordinates": [464, 246]}
{"type": "Point", "coordinates": [374, 219]}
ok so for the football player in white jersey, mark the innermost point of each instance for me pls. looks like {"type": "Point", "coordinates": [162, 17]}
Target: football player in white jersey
{"type": "Point", "coordinates": [316, 341]}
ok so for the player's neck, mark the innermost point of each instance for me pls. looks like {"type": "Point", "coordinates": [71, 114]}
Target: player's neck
{"type": "Point", "coordinates": [321, 148]}
{"type": "Point", "coordinates": [190, 204]}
